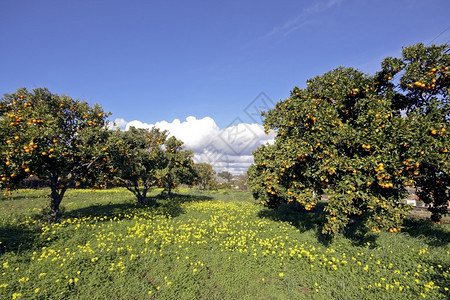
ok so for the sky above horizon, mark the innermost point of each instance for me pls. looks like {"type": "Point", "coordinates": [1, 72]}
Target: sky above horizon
{"type": "Point", "coordinates": [202, 69]}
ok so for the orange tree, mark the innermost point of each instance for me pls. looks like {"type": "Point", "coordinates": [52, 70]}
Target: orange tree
{"type": "Point", "coordinates": [178, 166]}
{"type": "Point", "coordinates": [55, 138]}
{"type": "Point", "coordinates": [225, 175]}
{"type": "Point", "coordinates": [134, 158]}
{"type": "Point", "coordinates": [204, 175]}
{"type": "Point", "coordinates": [422, 93]}
{"type": "Point", "coordinates": [349, 135]}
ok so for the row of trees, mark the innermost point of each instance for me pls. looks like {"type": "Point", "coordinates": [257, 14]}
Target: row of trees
{"type": "Point", "coordinates": [65, 142]}
{"type": "Point", "coordinates": [362, 140]}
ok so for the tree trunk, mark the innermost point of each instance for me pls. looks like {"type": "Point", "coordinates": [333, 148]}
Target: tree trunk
{"type": "Point", "coordinates": [54, 207]}
{"type": "Point", "coordinates": [55, 200]}
{"type": "Point", "coordinates": [133, 186]}
{"type": "Point", "coordinates": [56, 196]}
{"type": "Point", "coordinates": [142, 198]}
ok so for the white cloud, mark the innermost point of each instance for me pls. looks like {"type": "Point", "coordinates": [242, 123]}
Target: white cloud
{"type": "Point", "coordinates": [120, 122]}
{"type": "Point", "coordinates": [303, 18]}
{"type": "Point", "coordinates": [229, 149]}
{"type": "Point", "coordinates": [117, 123]}
{"type": "Point", "coordinates": [193, 132]}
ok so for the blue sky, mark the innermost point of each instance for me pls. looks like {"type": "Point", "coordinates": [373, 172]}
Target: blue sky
{"type": "Point", "coordinates": [156, 61]}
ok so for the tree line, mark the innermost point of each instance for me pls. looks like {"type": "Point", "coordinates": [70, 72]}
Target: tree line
{"type": "Point", "coordinates": [360, 139]}
{"type": "Point", "coordinates": [64, 143]}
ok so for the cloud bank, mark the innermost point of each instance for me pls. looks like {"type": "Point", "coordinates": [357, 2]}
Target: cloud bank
{"type": "Point", "coordinates": [228, 149]}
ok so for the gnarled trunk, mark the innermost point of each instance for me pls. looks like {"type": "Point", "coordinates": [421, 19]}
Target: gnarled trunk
{"type": "Point", "coordinates": [142, 197]}
{"type": "Point", "coordinates": [133, 186]}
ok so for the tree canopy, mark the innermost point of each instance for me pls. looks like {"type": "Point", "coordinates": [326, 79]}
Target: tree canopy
{"type": "Point", "coordinates": [361, 140]}
{"type": "Point", "coordinates": [134, 158]}
{"type": "Point", "coordinates": [225, 175]}
{"type": "Point", "coordinates": [178, 165]}
{"type": "Point", "coordinates": [204, 174]}
{"type": "Point", "coordinates": [55, 138]}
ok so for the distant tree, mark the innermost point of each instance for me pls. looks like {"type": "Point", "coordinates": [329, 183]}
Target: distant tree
{"type": "Point", "coordinates": [135, 156]}
{"type": "Point", "coordinates": [178, 166]}
{"type": "Point", "coordinates": [54, 138]}
{"type": "Point", "coordinates": [241, 182]}
{"type": "Point", "coordinates": [225, 175]}
{"type": "Point", "coordinates": [204, 175]}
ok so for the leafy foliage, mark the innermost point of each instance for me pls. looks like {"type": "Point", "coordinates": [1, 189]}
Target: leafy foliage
{"type": "Point", "coordinates": [178, 166]}
{"type": "Point", "coordinates": [204, 175]}
{"type": "Point", "coordinates": [134, 157]}
{"type": "Point", "coordinates": [225, 175]}
{"type": "Point", "coordinates": [52, 137]}
{"type": "Point", "coordinates": [423, 92]}
{"type": "Point", "coordinates": [361, 140]}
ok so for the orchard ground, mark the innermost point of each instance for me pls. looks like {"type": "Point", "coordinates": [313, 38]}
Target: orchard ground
{"type": "Point", "coordinates": [208, 245]}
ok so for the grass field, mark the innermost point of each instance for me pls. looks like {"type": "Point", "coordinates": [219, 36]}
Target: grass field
{"type": "Point", "coordinates": [207, 245]}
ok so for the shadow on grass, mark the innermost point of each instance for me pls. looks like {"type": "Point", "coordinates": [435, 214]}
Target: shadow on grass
{"type": "Point", "coordinates": [20, 238]}
{"type": "Point", "coordinates": [159, 204]}
{"type": "Point", "coordinates": [102, 210]}
{"type": "Point", "coordinates": [300, 219]}
{"type": "Point", "coordinates": [17, 239]}
{"type": "Point", "coordinates": [356, 232]}
{"type": "Point", "coordinates": [314, 220]}
{"type": "Point", "coordinates": [27, 196]}
{"type": "Point", "coordinates": [432, 234]}
{"type": "Point", "coordinates": [359, 235]}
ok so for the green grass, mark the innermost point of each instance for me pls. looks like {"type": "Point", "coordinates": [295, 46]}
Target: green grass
{"type": "Point", "coordinates": [207, 245]}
